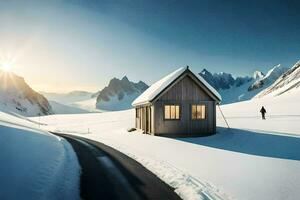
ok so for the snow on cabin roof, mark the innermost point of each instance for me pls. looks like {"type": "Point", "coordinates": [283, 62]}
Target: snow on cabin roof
{"type": "Point", "coordinates": [155, 89]}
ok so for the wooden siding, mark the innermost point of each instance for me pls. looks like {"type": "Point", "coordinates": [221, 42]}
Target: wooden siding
{"type": "Point", "coordinates": [186, 89]}
{"type": "Point", "coordinates": [185, 93]}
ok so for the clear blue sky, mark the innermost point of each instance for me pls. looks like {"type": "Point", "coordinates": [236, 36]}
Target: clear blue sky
{"type": "Point", "coordinates": [82, 44]}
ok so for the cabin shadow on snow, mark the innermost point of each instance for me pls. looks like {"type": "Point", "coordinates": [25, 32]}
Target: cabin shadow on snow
{"type": "Point", "coordinates": [250, 142]}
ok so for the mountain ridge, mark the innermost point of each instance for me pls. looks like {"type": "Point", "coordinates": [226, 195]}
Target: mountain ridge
{"type": "Point", "coordinates": [69, 97]}
{"type": "Point", "coordinates": [18, 97]}
{"type": "Point", "coordinates": [242, 88]}
{"type": "Point", "coordinates": [286, 82]}
{"type": "Point", "coordinates": [119, 93]}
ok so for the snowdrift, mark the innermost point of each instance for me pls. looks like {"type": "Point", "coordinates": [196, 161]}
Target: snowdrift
{"type": "Point", "coordinates": [35, 164]}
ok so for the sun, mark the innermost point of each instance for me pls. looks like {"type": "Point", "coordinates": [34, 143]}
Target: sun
{"type": "Point", "coordinates": [6, 66]}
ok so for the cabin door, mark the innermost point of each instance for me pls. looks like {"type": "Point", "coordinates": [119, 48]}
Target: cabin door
{"type": "Point", "coordinates": [148, 119]}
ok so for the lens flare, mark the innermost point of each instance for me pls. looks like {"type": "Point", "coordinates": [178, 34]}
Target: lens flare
{"type": "Point", "coordinates": [6, 66]}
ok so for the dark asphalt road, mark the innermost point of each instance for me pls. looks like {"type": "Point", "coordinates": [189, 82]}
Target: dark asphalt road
{"type": "Point", "coordinates": [109, 174]}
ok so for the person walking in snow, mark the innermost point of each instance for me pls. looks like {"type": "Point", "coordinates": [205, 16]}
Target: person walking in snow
{"type": "Point", "coordinates": [263, 112]}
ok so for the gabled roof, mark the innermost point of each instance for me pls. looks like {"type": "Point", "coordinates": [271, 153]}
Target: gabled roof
{"type": "Point", "coordinates": [158, 87]}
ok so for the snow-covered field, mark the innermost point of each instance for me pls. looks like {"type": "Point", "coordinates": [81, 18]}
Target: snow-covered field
{"type": "Point", "coordinates": [250, 161]}
{"type": "Point", "coordinates": [35, 164]}
{"type": "Point", "coordinates": [114, 104]}
{"type": "Point", "coordinates": [59, 108]}
{"type": "Point", "coordinates": [283, 114]}
{"type": "Point", "coordinates": [89, 105]}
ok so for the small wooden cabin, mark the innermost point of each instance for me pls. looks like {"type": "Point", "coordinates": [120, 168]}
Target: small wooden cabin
{"type": "Point", "coordinates": [180, 104]}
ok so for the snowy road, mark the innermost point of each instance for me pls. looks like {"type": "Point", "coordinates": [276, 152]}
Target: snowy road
{"type": "Point", "coordinates": [109, 174]}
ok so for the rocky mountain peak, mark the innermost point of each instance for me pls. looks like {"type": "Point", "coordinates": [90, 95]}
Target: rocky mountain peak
{"type": "Point", "coordinates": [273, 74]}
{"type": "Point", "coordinates": [125, 79]}
{"type": "Point", "coordinates": [118, 90]}
{"type": "Point", "coordinates": [258, 75]}
{"type": "Point", "coordinates": [220, 80]}
{"type": "Point", "coordinates": [285, 82]}
{"type": "Point", "coordinates": [205, 72]}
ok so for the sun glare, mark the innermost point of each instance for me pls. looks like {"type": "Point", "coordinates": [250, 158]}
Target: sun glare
{"type": "Point", "coordinates": [6, 66]}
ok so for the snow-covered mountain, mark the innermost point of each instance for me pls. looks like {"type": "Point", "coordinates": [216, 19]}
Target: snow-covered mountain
{"type": "Point", "coordinates": [266, 80]}
{"type": "Point", "coordinates": [223, 81]}
{"type": "Point", "coordinates": [258, 75]}
{"type": "Point", "coordinates": [119, 94]}
{"type": "Point", "coordinates": [67, 103]}
{"type": "Point", "coordinates": [287, 82]}
{"type": "Point", "coordinates": [17, 97]}
{"type": "Point", "coordinates": [89, 105]}
{"type": "Point", "coordinates": [59, 108]}
{"type": "Point", "coordinates": [242, 88]}
{"type": "Point", "coordinates": [68, 98]}
{"type": "Point", "coordinates": [96, 94]}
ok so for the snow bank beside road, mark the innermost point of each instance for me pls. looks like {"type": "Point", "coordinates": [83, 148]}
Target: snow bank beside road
{"type": "Point", "coordinates": [35, 164]}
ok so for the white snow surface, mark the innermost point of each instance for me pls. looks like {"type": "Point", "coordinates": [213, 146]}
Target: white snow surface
{"type": "Point", "coordinates": [236, 94]}
{"type": "Point", "coordinates": [114, 104]}
{"type": "Point", "coordinates": [35, 164]}
{"type": "Point", "coordinates": [89, 105]}
{"type": "Point", "coordinates": [283, 113]}
{"type": "Point", "coordinates": [59, 108]}
{"type": "Point", "coordinates": [255, 159]}
{"type": "Point", "coordinates": [149, 94]}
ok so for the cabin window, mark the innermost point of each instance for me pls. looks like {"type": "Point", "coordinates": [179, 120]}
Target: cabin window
{"type": "Point", "coordinates": [137, 113]}
{"type": "Point", "coordinates": [172, 112]}
{"type": "Point", "coordinates": [198, 111]}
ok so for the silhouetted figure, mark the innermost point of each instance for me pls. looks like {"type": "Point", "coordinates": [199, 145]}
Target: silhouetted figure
{"type": "Point", "coordinates": [263, 112]}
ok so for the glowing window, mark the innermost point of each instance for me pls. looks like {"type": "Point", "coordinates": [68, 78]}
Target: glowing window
{"type": "Point", "coordinates": [172, 112]}
{"type": "Point", "coordinates": [198, 111]}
